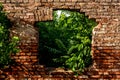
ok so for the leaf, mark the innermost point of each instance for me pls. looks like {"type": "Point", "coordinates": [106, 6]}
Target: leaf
{"type": "Point", "coordinates": [1, 44]}
{"type": "Point", "coordinates": [60, 45]}
{"type": "Point", "coordinates": [66, 57]}
{"type": "Point", "coordinates": [69, 20]}
{"type": "Point", "coordinates": [53, 50]}
{"type": "Point", "coordinates": [71, 49]}
{"type": "Point", "coordinates": [80, 47]}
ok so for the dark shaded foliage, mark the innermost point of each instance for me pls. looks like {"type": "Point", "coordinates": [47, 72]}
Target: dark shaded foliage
{"type": "Point", "coordinates": [66, 41]}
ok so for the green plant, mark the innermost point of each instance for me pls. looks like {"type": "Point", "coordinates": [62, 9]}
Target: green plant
{"type": "Point", "coordinates": [66, 42]}
{"type": "Point", "coordinates": [7, 46]}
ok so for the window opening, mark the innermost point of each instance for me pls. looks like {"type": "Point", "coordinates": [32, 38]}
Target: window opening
{"type": "Point", "coordinates": [66, 41]}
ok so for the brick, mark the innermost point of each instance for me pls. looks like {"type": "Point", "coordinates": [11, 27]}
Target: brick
{"type": "Point", "coordinates": [116, 76]}
{"type": "Point", "coordinates": [44, 0]}
{"type": "Point", "coordinates": [22, 53]}
{"type": "Point", "coordinates": [2, 1]}
{"type": "Point", "coordinates": [95, 76]}
{"type": "Point", "coordinates": [105, 37]}
{"type": "Point", "coordinates": [114, 72]}
{"type": "Point", "coordinates": [25, 1]}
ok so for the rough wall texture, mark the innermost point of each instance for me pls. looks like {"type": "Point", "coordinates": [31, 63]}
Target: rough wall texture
{"type": "Point", "coordinates": [28, 44]}
{"type": "Point", "coordinates": [106, 35]}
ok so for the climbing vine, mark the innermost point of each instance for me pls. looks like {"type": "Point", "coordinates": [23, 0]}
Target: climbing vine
{"type": "Point", "coordinates": [7, 45]}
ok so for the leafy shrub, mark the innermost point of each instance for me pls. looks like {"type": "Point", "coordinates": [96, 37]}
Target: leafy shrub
{"type": "Point", "coordinates": [7, 46]}
{"type": "Point", "coordinates": [66, 41]}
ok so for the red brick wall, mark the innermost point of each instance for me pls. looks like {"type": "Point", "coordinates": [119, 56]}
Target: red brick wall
{"type": "Point", "coordinates": [106, 35]}
{"type": "Point", "coordinates": [28, 43]}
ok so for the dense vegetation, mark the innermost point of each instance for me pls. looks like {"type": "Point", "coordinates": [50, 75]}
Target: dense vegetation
{"type": "Point", "coordinates": [7, 46]}
{"type": "Point", "coordinates": [66, 41]}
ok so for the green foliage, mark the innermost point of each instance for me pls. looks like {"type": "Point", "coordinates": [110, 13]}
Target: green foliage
{"type": "Point", "coordinates": [66, 41]}
{"type": "Point", "coordinates": [7, 46]}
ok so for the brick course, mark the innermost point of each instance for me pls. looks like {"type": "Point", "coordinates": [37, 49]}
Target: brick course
{"type": "Point", "coordinates": [105, 38]}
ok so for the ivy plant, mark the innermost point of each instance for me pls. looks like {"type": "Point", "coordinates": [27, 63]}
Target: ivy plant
{"type": "Point", "coordinates": [7, 46]}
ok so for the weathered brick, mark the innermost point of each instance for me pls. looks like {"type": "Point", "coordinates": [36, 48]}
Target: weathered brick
{"type": "Point", "coordinates": [105, 41]}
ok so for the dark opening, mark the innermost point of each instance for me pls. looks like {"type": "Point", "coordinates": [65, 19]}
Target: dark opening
{"type": "Point", "coordinates": [66, 41]}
